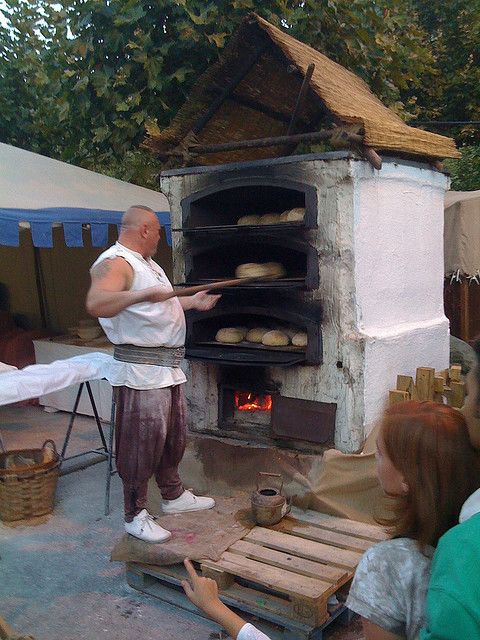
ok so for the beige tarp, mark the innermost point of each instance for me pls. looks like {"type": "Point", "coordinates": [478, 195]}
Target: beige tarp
{"type": "Point", "coordinates": [462, 233]}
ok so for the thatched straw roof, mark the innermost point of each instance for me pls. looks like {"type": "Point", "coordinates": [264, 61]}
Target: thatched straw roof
{"type": "Point", "coordinates": [251, 93]}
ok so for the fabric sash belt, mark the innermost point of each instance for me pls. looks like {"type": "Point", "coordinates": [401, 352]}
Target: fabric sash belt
{"type": "Point", "coordinates": [160, 356]}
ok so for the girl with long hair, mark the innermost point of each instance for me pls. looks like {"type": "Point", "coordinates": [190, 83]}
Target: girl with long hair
{"type": "Point", "coordinates": [428, 468]}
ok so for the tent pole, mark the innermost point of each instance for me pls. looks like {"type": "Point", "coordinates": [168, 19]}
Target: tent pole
{"type": "Point", "coordinates": [42, 300]}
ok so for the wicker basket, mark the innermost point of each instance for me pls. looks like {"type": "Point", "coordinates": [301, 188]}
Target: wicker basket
{"type": "Point", "coordinates": [28, 480]}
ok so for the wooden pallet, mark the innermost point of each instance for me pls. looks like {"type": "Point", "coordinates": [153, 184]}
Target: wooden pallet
{"type": "Point", "coordinates": [295, 574]}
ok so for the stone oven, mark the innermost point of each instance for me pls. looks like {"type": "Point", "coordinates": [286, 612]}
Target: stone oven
{"type": "Point", "coordinates": [363, 266]}
{"type": "Point", "coordinates": [364, 274]}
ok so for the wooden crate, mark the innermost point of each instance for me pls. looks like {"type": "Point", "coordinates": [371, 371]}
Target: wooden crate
{"type": "Point", "coordinates": [295, 574]}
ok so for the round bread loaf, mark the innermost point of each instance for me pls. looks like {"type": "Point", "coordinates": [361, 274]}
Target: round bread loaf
{"type": "Point", "coordinates": [275, 270]}
{"type": "Point", "coordinates": [229, 335]}
{"type": "Point", "coordinates": [248, 220]}
{"type": "Point", "coordinates": [270, 218]}
{"type": "Point", "coordinates": [251, 270]}
{"type": "Point", "coordinates": [300, 339]}
{"type": "Point", "coordinates": [256, 334]}
{"type": "Point", "coordinates": [275, 339]}
{"type": "Point", "coordinates": [293, 215]}
{"type": "Point", "coordinates": [243, 330]}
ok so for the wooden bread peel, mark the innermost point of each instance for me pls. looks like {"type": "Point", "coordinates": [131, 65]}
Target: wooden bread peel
{"type": "Point", "coordinates": [223, 284]}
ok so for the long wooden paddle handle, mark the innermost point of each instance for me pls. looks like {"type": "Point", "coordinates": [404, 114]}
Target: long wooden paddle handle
{"type": "Point", "coordinates": [190, 291]}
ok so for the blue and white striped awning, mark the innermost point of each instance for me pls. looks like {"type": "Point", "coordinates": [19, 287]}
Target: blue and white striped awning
{"type": "Point", "coordinates": [43, 192]}
{"type": "Point", "coordinates": [73, 221]}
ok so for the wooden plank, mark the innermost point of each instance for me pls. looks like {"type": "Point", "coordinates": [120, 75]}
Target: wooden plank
{"type": "Point", "coordinates": [457, 397]}
{"type": "Point", "coordinates": [405, 383]}
{"type": "Point", "coordinates": [316, 551]}
{"type": "Point", "coordinates": [424, 383]}
{"type": "Point", "coordinates": [455, 372]}
{"type": "Point", "coordinates": [310, 532]}
{"type": "Point", "coordinates": [292, 584]}
{"type": "Point", "coordinates": [302, 94]}
{"type": "Point", "coordinates": [395, 396]}
{"type": "Point", "coordinates": [438, 384]}
{"type": "Point", "coordinates": [342, 525]}
{"type": "Point", "coordinates": [223, 579]}
{"type": "Point", "coordinates": [290, 562]}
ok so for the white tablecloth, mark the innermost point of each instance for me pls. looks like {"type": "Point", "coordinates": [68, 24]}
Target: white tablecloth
{"type": "Point", "coordinates": [39, 379]}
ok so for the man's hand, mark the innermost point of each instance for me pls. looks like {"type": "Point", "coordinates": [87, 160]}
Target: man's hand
{"type": "Point", "coordinates": [201, 301]}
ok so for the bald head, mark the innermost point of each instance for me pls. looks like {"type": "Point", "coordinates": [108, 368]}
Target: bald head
{"type": "Point", "coordinates": [140, 230]}
{"type": "Point", "coordinates": [138, 215]}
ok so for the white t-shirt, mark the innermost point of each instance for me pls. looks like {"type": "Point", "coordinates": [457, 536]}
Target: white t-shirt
{"type": "Point", "coordinates": [390, 586]}
{"type": "Point", "coordinates": [249, 632]}
{"type": "Point", "coordinates": [145, 324]}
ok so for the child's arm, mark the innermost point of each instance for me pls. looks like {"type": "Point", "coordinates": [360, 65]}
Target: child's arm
{"type": "Point", "coordinates": [203, 592]}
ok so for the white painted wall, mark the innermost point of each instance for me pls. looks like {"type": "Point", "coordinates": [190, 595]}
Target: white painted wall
{"type": "Point", "coordinates": [398, 245]}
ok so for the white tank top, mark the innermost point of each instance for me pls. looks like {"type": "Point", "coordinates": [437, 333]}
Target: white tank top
{"type": "Point", "coordinates": [144, 324]}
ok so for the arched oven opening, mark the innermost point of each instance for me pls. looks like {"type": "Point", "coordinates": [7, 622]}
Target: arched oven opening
{"type": "Point", "coordinates": [251, 314]}
{"type": "Point", "coordinates": [221, 206]}
{"type": "Point", "coordinates": [218, 258]}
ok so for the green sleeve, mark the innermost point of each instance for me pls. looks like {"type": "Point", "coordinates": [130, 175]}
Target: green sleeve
{"type": "Point", "coordinates": [447, 619]}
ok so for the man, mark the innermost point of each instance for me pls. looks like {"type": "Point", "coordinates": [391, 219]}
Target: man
{"type": "Point", "coordinates": [453, 596]}
{"type": "Point", "coordinates": [129, 294]}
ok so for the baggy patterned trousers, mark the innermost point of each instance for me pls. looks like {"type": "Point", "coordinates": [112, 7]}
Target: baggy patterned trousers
{"type": "Point", "coordinates": [150, 440]}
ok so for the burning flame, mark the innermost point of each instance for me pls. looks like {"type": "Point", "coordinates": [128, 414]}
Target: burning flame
{"type": "Point", "coordinates": [248, 401]}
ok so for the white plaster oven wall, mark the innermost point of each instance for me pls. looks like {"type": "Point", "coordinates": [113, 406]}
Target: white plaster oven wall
{"type": "Point", "coordinates": [379, 241]}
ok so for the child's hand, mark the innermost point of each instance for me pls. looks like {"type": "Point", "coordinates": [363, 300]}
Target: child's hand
{"type": "Point", "coordinates": [203, 592]}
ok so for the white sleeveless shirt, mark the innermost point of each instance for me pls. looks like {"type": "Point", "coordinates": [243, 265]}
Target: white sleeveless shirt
{"type": "Point", "coordinates": [145, 324]}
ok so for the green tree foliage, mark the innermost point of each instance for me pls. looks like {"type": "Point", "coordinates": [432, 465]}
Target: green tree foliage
{"type": "Point", "coordinates": [33, 107]}
{"type": "Point", "coordinates": [451, 90]}
{"type": "Point", "coordinates": [465, 172]}
{"type": "Point", "coordinates": [93, 73]}
{"type": "Point", "coordinates": [81, 80]}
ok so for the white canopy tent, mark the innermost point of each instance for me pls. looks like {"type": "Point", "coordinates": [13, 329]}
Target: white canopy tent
{"type": "Point", "coordinates": [43, 192]}
{"type": "Point", "coordinates": [71, 214]}
{"type": "Point", "coordinates": [462, 263]}
{"type": "Point", "coordinates": [462, 234]}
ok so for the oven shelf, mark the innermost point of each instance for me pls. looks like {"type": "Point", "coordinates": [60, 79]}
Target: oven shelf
{"type": "Point", "coordinates": [223, 353]}
{"type": "Point", "coordinates": [284, 227]}
{"type": "Point", "coordinates": [250, 345]}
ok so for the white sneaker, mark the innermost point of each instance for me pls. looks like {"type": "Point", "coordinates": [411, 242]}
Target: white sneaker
{"type": "Point", "coordinates": [144, 527]}
{"type": "Point", "coordinates": [187, 502]}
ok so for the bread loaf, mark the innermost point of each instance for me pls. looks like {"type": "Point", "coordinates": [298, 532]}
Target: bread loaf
{"type": "Point", "coordinates": [229, 335]}
{"type": "Point", "coordinates": [256, 334]}
{"type": "Point", "coordinates": [260, 270]}
{"type": "Point", "coordinates": [251, 270]}
{"type": "Point", "coordinates": [275, 270]}
{"type": "Point", "coordinates": [243, 331]}
{"type": "Point", "coordinates": [300, 339]}
{"type": "Point", "coordinates": [275, 339]}
{"type": "Point", "coordinates": [270, 218]}
{"type": "Point", "coordinates": [293, 215]}
{"type": "Point", "coordinates": [248, 220]}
